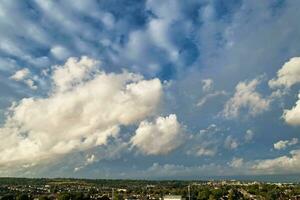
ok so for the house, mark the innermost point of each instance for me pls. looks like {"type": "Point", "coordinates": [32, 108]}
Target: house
{"type": "Point", "coordinates": [173, 197]}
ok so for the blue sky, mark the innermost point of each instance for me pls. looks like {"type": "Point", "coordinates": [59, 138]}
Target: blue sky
{"type": "Point", "coordinates": [149, 89]}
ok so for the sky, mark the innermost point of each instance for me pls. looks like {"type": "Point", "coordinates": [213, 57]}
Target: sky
{"type": "Point", "coordinates": [149, 89]}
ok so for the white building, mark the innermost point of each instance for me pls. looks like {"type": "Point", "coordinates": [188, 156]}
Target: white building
{"type": "Point", "coordinates": [173, 197]}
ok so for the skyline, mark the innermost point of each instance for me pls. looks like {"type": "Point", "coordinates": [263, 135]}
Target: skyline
{"type": "Point", "coordinates": [149, 89]}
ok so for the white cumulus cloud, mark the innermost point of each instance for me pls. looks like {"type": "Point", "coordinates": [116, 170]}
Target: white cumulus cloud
{"type": "Point", "coordinates": [283, 164]}
{"type": "Point", "coordinates": [73, 72]}
{"type": "Point", "coordinates": [20, 74]}
{"type": "Point", "coordinates": [23, 75]}
{"type": "Point", "coordinates": [288, 75]}
{"type": "Point", "coordinates": [82, 111]}
{"type": "Point", "coordinates": [30, 84]}
{"type": "Point", "coordinates": [282, 144]}
{"type": "Point", "coordinates": [249, 135]}
{"type": "Point", "coordinates": [292, 116]}
{"type": "Point", "coordinates": [246, 97]}
{"type": "Point", "coordinates": [230, 142]}
{"type": "Point", "coordinates": [159, 137]}
{"type": "Point", "coordinates": [91, 159]}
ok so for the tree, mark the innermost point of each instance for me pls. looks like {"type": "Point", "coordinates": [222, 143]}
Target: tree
{"type": "Point", "coordinates": [253, 189]}
{"type": "Point", "coordinates": [118, 196]}
{"type": "Point", "coordinates": [211, 197]}
{"type": "Point", "coordinates": [23, 197]}
{"type": "Point", "coordinates": [64, 196]}
{"type": "Point", "coordinates": [105, 197]}
{"type": "Point", "coordinates": [203, 194]}
{"type": "Point", "coordinates": [273, 194]}
{"type": "Point", "coordinates": [44, 197]}
{"type": "Point", "coordinates": [217, 193]}
{"type": "Point", "coordinates": [234, 194]}
{"type": "Point", "coordinates": [8, 197]}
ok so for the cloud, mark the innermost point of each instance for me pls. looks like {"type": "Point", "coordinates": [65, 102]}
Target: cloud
{"type": "Point", "coordinates": [209, 96]}
{"type": "Point", "coordinates": [205, 152]}
{"type": "Point", "coordinates": [207, 84]}
{"type": "Point", "coordinates": [60, 52]}
{"type": "Point", "coordinates": [283, 164]}
{"type": "Point", "coordinates": [236, 162]}
{"type": "Point", "coordinates": [230, 142]}
{"type": "Point", "coordinates": [245, 97]}
{"type": "Point", "coordinates": [212, 128]}
{"type": "Point", "coordinates": [23, 75]}
{"type": "Point", "coordinates": [292, 116]}
{"type": "Point", "coordinates": [82, 111]}
{"type": "Point", "coordinates": [74, 72]}
{"type": "Point", "coordinates": [30, 84]}
{"type": "Point", "coordinates": [249, 135]}
{"type": "Point", "coordinates": [159, 137]}
{"type": "Point", "coordinates": [168, 171]}
{"type": "Point", "coordinates": [222, 41]}
{"type": "Point", "coordinates": [205, 143]}
{"type": "Point", "coordinates": [20, 74]}
{"type": "Point", "coordinates": [90, 159]}
{"type": "Point", "coordinates": [282, 144]}
{"type": "Point", "coordinates": [159, 44]}
{"type": "Point", "coordinates": [288, 75]}
{"type": "Point", "coordinates": [153, 44]}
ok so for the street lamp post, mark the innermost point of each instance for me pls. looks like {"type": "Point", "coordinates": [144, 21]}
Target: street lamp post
{"type": "Point", "coordinates": [189, 191]}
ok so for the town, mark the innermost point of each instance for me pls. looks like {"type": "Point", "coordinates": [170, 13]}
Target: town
{"type": "Point", "coordinates": [66, 189]}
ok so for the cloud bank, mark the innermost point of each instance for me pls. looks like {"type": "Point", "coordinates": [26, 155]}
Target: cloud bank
{"type": "Point", "coordinates": [282, 164]}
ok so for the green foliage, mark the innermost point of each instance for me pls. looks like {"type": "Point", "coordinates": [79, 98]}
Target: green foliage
{"type": "Point", "coordinates": [23, 197]}
{"type": "Point", "coordinates": [8, 197]}
{"type": "Point", "coordinates": [273, 194]}
{"type": "Point", "coordinates": [73, 196]}
{"type": "Point", "coordinates": [234, 194]}
{"type": "Point", "coordinates": [253, 189]}
{"type": "Point", "coordinates": [211, 197]}
{"type": "Point", "coordinates": [118, 196]}
{"type": "Point", "coordinates": [64, 196]}
{"type": "Point", "coordinates": [204, 194]}
{"type": "Point", "coordinates": [296, 190]}
{"type": "Point", "coordinates": [44, 197]}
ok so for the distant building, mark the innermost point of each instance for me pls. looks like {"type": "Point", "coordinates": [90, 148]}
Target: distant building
{"type": "Point", "coordinates": [122, 190]}
{"type": "Point", "coordinates": [173, 197]}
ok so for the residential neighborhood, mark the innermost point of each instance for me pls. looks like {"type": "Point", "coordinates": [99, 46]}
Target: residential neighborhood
{"type": "Point", "coordinates": [63, 189]}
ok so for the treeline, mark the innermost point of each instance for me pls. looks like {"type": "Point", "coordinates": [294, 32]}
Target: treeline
{"type": "Point", "coordinates": [62, 196]}
{"type": "Point", "coordinates": [99, 182]}
{"type": "Point", "coordinates": [23, 181]}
